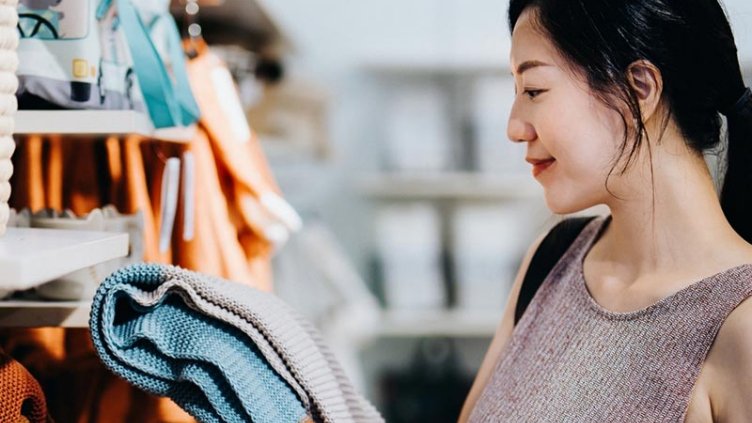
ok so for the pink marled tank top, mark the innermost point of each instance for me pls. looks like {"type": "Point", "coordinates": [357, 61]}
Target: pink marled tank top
{"type": "Point", "coordinates": [571, 360]}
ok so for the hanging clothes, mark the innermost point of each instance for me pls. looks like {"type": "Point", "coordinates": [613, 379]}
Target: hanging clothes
{"type": "Point", "coordinates": [214, 248]}
{"type": "Point", "coordinates": [27, 183]}
{"type": "Point", "coordinates": [228, 219]}
{"type": "Point", "coordinates": [139, 185]}
{"type": "Point", "coordinates": [224, 224]}
{"type": "Point", "coordinates": [116, 171]}
{"type": "Point", "coordinates": [252, 200]}
{"type": "Point", "coordinates": [22, 399]}
{"type": "Point", "coordinates": [127, 173]}
{"type": "Point", "coordinates": [79, 388]}
{"type": "Point", "coordinates": [234, 143]}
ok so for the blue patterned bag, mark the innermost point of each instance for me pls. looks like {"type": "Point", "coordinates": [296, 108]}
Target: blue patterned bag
{"type": "Point", "coordinates": [103, 54]}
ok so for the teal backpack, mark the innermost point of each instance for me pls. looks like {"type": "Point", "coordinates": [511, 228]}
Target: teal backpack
{"type": "Point", "coordinates": [101, 54]}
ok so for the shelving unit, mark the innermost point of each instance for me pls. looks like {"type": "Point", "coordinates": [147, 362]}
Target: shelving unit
{"type": "Point", "coordinates": [30, 313]}
{"type": "Point", "coordinates": [473, 188]}
{"type": "Point", "coordinates": [439, 323]}
{"type": "Point", "coordinates": [202, 3]}
{"type": "Point", "coordinates": [95, 124]}
{"type": "Point", "coordinates": [22, 250]}
{"type": "Point", "coordinates": [29, 256]}
{"type": "Point", "coordinates": [449, 185]}
{"type": "Point", "coordinates": [405, 67]}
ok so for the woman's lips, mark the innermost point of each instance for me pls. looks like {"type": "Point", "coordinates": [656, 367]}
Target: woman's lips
{"type": "Point", "coordinates": [538, 168]}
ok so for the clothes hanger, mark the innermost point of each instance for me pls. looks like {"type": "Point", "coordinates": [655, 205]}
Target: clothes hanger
{"type": "Point", "coordinates": [193, 29]}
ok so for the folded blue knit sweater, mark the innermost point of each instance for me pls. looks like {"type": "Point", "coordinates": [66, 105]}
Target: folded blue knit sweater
{"type": "Point", "coordinates": [222, 351]}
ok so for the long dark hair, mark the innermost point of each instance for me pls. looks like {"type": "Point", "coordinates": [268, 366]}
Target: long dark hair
{"type": "Point", "coordinates": [692, 45]}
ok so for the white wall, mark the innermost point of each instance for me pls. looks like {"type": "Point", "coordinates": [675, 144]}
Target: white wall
{"type": "Point", "coordinates": [335, 38]}
{"type": "Point", "coordinates": [333, 34]}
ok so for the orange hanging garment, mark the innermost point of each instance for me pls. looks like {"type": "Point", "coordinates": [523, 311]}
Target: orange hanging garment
{"type": "Point", "coordinates": [77, 385]}
{"type": "Point", "coordinates": [247, 180]}
{"type": "Point", "coordinates": [236, 146]}
{"type": "Point", "coordinates": [27, 181]}
{"type": "Point", "coordinates": [22, 398]}
{"type": "Point", "coordinates": [53, 185]}
{"type": "Point", "coordinates": [55, 173]}
{"type": "Point", "coordinates": [214, 248]}
{"type": "Point", "coordinates": [130, 188]}
{"type": "Point", "coordinates": [80, 175]}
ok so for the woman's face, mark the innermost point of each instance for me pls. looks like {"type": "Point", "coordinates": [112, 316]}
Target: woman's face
{"type": "Point", "coordinates": [555, 113]}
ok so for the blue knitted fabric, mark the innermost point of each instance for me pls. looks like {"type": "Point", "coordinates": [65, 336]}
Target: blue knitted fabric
{"type": "Point", "coordinates": [170, 348]}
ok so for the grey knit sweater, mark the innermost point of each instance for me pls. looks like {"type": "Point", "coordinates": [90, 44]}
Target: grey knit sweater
{"type": "Point", "coordinates": [290, 344]}
{"type": "Point", "coordinates": [571, 360]}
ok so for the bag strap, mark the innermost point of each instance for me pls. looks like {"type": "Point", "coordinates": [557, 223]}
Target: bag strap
{"type": "Point", "coordinates": [550, 251]}
{"type": "Point", "coordinates": [189, 109]}
{"type": "Point", "coordinates": [169, 103]}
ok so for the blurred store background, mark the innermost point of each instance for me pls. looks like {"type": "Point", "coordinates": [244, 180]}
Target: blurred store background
{"type": "Point", "coordinates": [385, 124]}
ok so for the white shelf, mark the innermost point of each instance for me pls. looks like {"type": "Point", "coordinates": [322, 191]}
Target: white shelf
{"type": "Point", "coordinates": [407, 67]}
{"type": "Point", "coordinates": [451, 323]}
{"type": "Point", "coordinates": [450, 186]}
{"type": "Point", "coordinates": [29, 313]}
{"type": "Point", "coordinates": [29, 256]}
{"type": "Point", "coordinates": [96, 123]}
{"type": "Point", "coordinates": [201, 3]}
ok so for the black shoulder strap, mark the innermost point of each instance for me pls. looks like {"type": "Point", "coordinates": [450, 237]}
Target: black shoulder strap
{"type": "Point", "coordinates": [551, 249]}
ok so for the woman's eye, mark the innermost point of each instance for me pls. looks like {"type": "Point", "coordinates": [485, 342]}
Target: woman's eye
{"type": "Point", "coordinates": [533, 93]}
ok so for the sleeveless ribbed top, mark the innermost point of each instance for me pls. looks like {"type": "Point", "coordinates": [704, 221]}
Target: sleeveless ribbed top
{"type": "Point", "coordinates": [571, 360]}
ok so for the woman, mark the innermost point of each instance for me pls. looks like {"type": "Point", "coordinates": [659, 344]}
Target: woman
{"type": "Point", "coordinates": [645, 318]}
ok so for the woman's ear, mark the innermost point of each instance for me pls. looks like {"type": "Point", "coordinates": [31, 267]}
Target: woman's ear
{"type": "Point", "coordinates": [647, 82]}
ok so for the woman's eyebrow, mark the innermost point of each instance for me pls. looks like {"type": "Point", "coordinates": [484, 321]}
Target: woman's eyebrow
{"type": "Point", "coordinates": [529, 65]}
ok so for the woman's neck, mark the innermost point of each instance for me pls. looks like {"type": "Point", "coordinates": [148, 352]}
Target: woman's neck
{"type": "Point", "coordinates": [681, 227]}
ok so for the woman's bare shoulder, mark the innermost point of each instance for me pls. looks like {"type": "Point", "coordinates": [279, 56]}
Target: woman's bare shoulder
{"type": "Point", "coordinates": [729, 366]}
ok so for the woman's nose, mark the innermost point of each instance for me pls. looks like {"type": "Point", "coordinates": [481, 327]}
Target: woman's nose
{"type": "Point", "coordinates": [519, 130]}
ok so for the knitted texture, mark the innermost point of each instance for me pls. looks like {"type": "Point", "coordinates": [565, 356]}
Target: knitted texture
{"type": "Point", "coordinates": [571, 360]}
{"type": "Point", "coordinates": [221, 350]}
{"type": "Point", "coordinates": [21, 394]}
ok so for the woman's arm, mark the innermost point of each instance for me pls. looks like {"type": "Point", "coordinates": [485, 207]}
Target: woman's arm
{"type": "Point", "coordinates": [730, 365]}
{"type": "Point", "coordinates": [501, 337]}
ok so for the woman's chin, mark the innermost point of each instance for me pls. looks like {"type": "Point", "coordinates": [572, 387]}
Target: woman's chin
{"type": "Point", "coordinates": [564, 205]}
